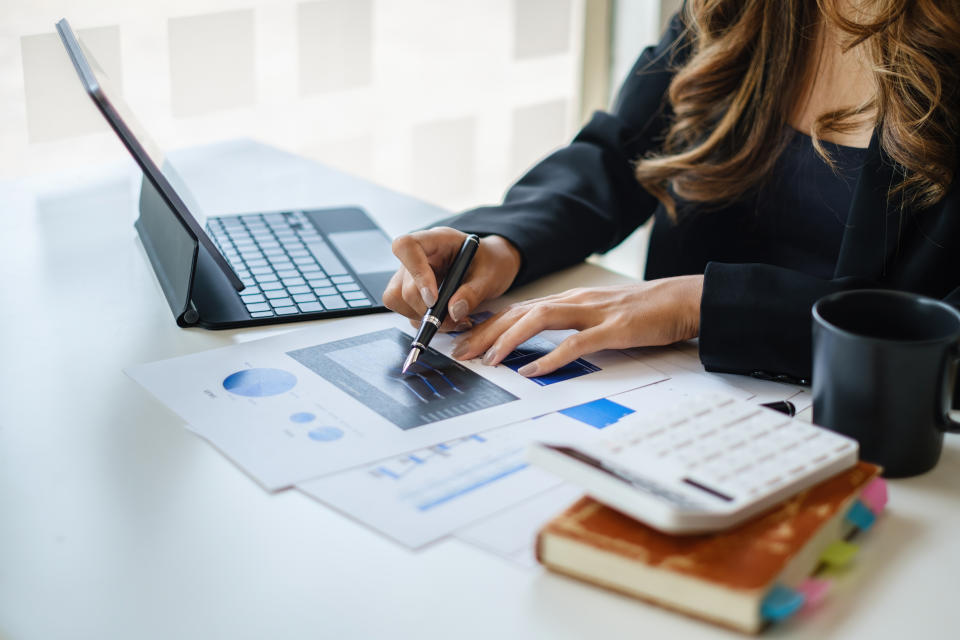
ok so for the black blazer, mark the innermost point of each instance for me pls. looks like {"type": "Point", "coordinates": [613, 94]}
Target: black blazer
{"type": "Point", "coordinates": [754, 318]}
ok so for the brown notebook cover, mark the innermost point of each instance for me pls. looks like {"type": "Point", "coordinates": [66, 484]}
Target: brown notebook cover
{"type": "Point", "coordinates": [720, 576]}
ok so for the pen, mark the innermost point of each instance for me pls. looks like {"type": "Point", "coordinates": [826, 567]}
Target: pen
{"type": "Point", "coordinates": [436, 314]}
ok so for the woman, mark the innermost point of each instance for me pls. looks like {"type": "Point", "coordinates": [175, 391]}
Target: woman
{"type": "Point", "coordinates": [787, 149]}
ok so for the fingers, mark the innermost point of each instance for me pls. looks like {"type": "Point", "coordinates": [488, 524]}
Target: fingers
{"type": "Point", "coordinates": [499, 336]}
{"type": "Point", "coordinates": [411, 252]}
{"type": "Point", "coordinates": [575, 346]}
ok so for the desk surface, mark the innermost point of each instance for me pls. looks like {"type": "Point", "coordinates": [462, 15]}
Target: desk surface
{"type": "Point", "coordinates": [116, 522]}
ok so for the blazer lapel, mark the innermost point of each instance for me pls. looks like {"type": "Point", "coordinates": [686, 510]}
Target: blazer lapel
{"type": "Point", "coordinates": [870, 241]}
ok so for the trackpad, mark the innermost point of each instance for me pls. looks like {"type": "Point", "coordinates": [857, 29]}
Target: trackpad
{"type": "Point", "coordinates": [367, 251]}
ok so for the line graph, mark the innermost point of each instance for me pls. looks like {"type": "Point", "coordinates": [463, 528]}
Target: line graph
{"type": "Point", "coordinates": [367, 368]}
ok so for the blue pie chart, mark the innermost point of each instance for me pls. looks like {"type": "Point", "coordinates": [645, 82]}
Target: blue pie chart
{"type": "Point", "coordinates": [259, 382]}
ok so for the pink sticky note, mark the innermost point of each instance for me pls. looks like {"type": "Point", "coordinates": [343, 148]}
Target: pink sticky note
{"type": "Point", "coordinates": [814, 592]}
{"type": "Point", "coordinates": [875, 495]}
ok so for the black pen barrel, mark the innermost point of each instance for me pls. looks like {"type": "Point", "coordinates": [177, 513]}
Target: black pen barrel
{"type": "Point", "coordinates": [454, 277]}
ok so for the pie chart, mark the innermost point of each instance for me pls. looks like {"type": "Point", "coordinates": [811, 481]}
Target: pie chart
{"type": "Point", "coordinates": [259, 382]}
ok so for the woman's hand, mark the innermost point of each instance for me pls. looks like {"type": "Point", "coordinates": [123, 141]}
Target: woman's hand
{"type": "Point", "coordinates": [426, 256]}
{"type": "Point", "coordinates": [649, 313]}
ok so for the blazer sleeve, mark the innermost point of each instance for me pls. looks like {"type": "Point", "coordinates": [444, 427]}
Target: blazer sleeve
{"type": "Point", "coordinates": [584, 198]}
{"type": "Point", "coordinates": [756, 318]}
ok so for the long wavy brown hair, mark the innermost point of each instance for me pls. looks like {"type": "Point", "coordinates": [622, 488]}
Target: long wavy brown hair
{"type": "Point", "coordinates": [749, 64]}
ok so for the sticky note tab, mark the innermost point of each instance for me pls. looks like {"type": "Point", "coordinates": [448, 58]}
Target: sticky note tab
{"type": "Point", "coordinates": [874, 495]}
{"type": "Point", "coordinates": [782, 602]}
{"type": "Point", "coordinates": [839, 554]}
{"type": "Point", "coordinates": [861, 516]}
{"type": "Point", "coordinates": [814, 592]}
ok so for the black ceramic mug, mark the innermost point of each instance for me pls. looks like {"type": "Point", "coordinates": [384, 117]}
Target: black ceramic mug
{"type": "Point", "coordinates": [884, 369]}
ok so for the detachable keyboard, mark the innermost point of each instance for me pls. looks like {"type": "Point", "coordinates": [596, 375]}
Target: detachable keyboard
{"type": "Point", "coordinates": [703, 465]}
{"type": "Point", "coordinates": [286, 265]}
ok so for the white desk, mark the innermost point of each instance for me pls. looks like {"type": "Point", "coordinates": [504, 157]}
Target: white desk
{"type": "Point", "coordinates": [115, 522]}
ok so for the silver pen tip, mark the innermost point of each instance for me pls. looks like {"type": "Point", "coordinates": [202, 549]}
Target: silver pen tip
{"type": "Point", "coordinates": [411, 358]}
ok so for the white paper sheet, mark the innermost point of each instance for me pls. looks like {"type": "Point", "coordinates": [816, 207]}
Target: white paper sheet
{"type": "Point", "coordinates": [426, 495]}
{"type": "Point", "coordinates": [311, 402]}
{"type": "Point", "coordinates": [512, 533]}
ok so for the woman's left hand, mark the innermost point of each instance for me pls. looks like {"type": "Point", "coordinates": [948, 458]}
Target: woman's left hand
{"type": "Point", "coordinates": [645, 314]}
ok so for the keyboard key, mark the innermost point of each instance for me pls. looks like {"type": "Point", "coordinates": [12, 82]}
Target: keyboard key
{"type": "Point", "coordinates": [261, 270]}
{"type": "Point", "coordinates": [299, 289]}
{"type": "Point", "coordinates": [288, 273]}
{"type": "Point", "coordinates": [318, 282]}
{"type": "Point", "coordinates": [309, 307]}
{"type": "Point", "coordinates": [291, 282]}
{"type": "Point", "coordinates": [327, 259]}
{"type": "Point", "coordinates": [248, 282]}
{"type": "Point", "coordinates": [247, 290]}
{"type": "Point", "coordinates": [354, 295]}
{"type": "Point", "coordinates": [342, 279]}
{"type": "Point", "coordinates": [313, 269]}
{"type": "Point", "coordinates": [276, 293]}
{"type": "Point", "coordinates": [333, 302]}
{"type": "Point", "coordinates": [271, 286]}
{"type": "Point", "coordinates": [272, 251]}
{"type": "Point", "coordinates": [304, 297]}
{"type": "Point", "coordinates": [285, 311]}
{"type": "Point", "coordinates": [257, 263]}
{"type": "Point", "coordinates": [281, 302]}
{"type": "Point", "coordinates": [360, 302]}
{"type": "Point", "coordinates": [253, 297]}
{"type": "Point", "coordinates": [348, 287]}
{"type": "Point", "coordinates": [325, 291]}
{"type": "Point", "coordinates": [261, 314]}
{"type": "Point", "coordinates": [303, 261]}
{"type": "Point", "coordinates": [265, 277]}
{"type": "Point", "coordinates": [259, 306]}
{"type": "Point", "coordinates": [297, 253]}
{"type": "Point", "coordinates": [243, 273]}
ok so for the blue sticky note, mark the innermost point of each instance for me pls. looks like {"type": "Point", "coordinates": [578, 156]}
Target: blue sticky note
{"type": "Point", "coordinates": [861, 516]}
{"type": "Point", "coordinates": [782, 602]}
{"type": "Point", "coordinates": [599, 413]}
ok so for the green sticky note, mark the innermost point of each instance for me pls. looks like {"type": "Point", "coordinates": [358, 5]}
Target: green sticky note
{"type": "Point", "coordinates": [839, 554]}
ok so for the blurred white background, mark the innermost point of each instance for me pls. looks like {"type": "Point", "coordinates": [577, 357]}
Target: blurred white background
{"type": "Point", "coordinates": [448, 100]}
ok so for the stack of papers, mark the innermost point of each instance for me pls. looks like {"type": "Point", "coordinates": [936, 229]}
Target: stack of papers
{"type": "Point", "coordinates": [421, 457]}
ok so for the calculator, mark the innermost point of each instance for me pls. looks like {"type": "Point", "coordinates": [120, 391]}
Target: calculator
{"type": "Point", "coordinates": [705, 466]}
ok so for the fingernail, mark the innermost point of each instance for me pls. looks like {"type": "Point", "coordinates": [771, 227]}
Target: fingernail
{"type": "Point", "coordinates": [458, 310]}
{"type": "Point", "coordinates": [489, 356]}
{"type": "Point", "coordinates": [463, 326]}
{"type": "Point", "coordinates": [528, 370]}
{"type": "Point", "coordinates": [428, 298]}
{"type": "Point", "coordinates": [460, 350]}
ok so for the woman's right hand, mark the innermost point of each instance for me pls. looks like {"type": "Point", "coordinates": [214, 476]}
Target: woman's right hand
{"type": "Point", "coordinates": [426, 255]}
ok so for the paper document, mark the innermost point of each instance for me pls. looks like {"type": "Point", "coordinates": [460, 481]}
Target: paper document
{"type": "Point", "coordinates": [423, 496]}
{"type": "Point", "coordinates": [512, 533]}
{"type": "Point", "coordinates": [314, 401]}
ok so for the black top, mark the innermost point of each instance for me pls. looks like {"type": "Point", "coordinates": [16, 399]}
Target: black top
{"type": "Point", "coordinates": [755, 310]}
{"type": "Point", "coordinates": [795, 219]}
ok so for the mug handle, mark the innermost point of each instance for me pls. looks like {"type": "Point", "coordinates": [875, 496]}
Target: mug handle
{"type": "Point", "coordinates": [951, 421]}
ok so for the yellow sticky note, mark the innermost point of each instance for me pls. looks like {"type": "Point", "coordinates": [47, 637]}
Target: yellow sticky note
{"type": "Point", "coordinates": [839, 554]}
